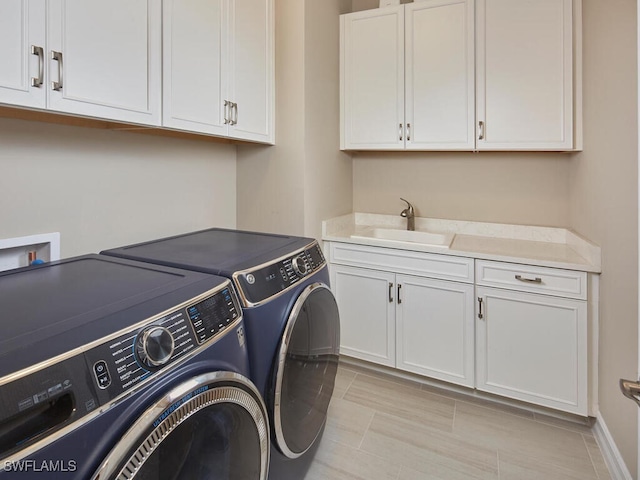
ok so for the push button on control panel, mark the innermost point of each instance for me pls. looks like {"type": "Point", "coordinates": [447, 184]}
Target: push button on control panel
{"type": "Point", "coordinates": [102, 374]}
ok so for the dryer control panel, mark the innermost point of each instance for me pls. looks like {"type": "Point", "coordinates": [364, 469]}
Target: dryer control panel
{"type": "Point", "coordinates": [262, 283]}
{"type": "Point", "coordinates": [128, 360]}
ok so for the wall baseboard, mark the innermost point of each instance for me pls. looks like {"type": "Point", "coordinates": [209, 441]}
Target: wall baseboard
{"type": "Point", "coordinates": [617, 468]}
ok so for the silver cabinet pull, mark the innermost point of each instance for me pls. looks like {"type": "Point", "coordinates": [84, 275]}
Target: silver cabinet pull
{"type": "Point", "coordinates": [630, 389]}
{"type": "Point", "coordinates": [480, 316]}
{"type": "Point", "coordinates": [399, 298]}
{"type": "Point", "coordinates": [400, 132]}
{"type": "Point", "coordinates": [57, 56]}
{"type": "Point", "coordinates": [226, 112]}
{"type": "Point", "coordinates": [234, 110]}
{"type": "Point", "coordinates": [39, 80]}
{"type": "Point", "coordinates": [480, 130]}
{"type": "Point", "coordinates": [390, 292]}
{"type": "Point", "coordinates": [408, 132]}
{"type": "Point", "coordinates": [528, 280]}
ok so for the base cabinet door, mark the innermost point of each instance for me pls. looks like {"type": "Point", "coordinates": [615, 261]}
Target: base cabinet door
{"type": "Point", "coordinates": [22, 51]}
{"type": "Point", "coordinates": [435, 329]}
{"type": "Point", "coordinates": [532, 348]}
{"type": "Point", "coordinates": [366, 303]}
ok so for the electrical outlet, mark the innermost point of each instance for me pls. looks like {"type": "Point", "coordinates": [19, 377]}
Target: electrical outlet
{"type": "Point", "coordinates": [15, 252]}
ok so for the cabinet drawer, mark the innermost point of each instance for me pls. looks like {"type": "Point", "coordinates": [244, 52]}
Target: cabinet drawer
{"type": "Point", "coordinates": [526, 278]}
{"type": "Point", "coordinates": [445, 267]}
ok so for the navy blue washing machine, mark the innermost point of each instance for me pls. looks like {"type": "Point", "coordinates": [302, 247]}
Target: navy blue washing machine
{"type": "Point", "coordinates": [114, 369]}
{"type": "Point", "coordinates": [292, 323]}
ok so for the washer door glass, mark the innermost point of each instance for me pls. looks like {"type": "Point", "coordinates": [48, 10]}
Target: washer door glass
{"type": "Point", "coordinates": [306, 371]}
{"type": "Point", "coordinates": [217, 430]}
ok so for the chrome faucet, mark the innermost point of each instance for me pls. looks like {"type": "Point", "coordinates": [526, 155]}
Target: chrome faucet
{"type": "Point", "coordinates": [409, 214]}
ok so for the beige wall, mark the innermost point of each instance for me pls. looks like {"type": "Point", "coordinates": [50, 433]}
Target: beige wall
{"type": "Point", "coordinates": [271, 179]}
{"type": "Point", "coordinates": [521, 188]}
{"type": "Point", "coordinates": [304, 179]}
{"type": "Point", "coordinates": [328, 176]}
{"type": "Point", "coordinates": [604, 193]}
{"type": "Point", "coordinates": [103, 188]}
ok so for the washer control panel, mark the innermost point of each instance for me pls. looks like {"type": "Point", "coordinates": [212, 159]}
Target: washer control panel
{"type": "Point", "coordinates": [128, 360]}
{"type": "Point", "coordinates": [260, 284]}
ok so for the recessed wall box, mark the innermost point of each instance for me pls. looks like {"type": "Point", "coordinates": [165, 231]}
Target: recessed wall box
{"type": "Point", "coordinates": [23, 251]}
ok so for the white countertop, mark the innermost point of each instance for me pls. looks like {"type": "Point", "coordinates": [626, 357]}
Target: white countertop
{"type": "Point", "coordinates": [531, 245]}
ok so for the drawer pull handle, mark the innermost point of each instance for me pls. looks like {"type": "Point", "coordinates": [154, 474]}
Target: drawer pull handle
{"type": "Point", "coordinates": [528, 280]}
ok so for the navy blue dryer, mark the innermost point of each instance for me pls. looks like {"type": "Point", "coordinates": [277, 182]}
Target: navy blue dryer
{"type": "Point", "coordinates": [114, 369]}
{"type": "Point", "coordinates": [292, 323]}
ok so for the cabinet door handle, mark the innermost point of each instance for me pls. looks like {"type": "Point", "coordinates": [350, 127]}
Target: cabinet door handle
{"type": "Point", "coordinates": [400, 132]}
{"type": "Point", "coordinates": [399, 297]}
{"type": "Point", "coordinates": [39, 80]}
{"type": "Point", "coordinates": [480, 130]}
{"type": "Point", "coordinates": [480, 316]}
{"type": "Point", "coordinates": [390, 292]}
{"type": "Point", "coordinates": [57, 56]}
{"type": "Point", "coordinates": [528, 280]}
{"type": "Point", "coordinates": [408, 132]}
{"type": "Point", "coordinates": [234, 110]}
{"type": "Point", "coordinates": [226, 112]}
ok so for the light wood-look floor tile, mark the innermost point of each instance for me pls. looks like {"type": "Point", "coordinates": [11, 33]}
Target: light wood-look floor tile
{"type": "Point", "coordinates": [516, 435]}
{"type": "Point", "coordinates": [347, 422]}
{"type": "Point", "coordinates": [596, 458]}
{"type": "Point", "coordinates": [402, 401]}
{"type": "Point", "coordinates": [381, 428]}
{"type": "Point", "coordinates": [335, 461]}
{"type": "Point", "coordinates": [439, 454]}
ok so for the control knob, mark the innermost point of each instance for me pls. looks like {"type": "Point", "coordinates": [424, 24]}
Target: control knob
{"type": "Point", "coordinates": [154, 346]}
{"type": "Point", "coordinates": [300, 265]}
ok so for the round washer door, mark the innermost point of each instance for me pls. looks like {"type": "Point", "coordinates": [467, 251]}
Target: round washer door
{"type": "Point", "coordinates": [306, 370]}
{"type": "Point", "coordinates": [212, 426]}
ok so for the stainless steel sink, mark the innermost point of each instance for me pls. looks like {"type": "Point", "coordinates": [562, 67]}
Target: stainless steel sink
{"type": "Point", "coordinates": [430, 239]}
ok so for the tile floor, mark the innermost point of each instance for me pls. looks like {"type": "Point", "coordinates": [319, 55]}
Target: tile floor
{"type": "Point", "coordinates": [380, 428]}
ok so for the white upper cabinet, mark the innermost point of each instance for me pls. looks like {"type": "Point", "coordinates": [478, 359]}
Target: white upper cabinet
{"type": "Point", "coordinates": [439, 75]}
{"type": "Point", "coordinates": [219, 67]}
{"type": "Point", "coordinates": [194, 51]}
{"type": "Point", "coordinates": [462, 75]}
{"type": "Point", "coordinates": [525, 74]}
{"type": "Point", "coordinates": [251, 70]}
{"type": "Point", "coordinates": [372, 79]}
{"type": "Point", "coordinates": [84, 57]}
{"type": "Point", "coordinates": [23, 78]}
{"type": "Point", "coordinates": [104, 59]}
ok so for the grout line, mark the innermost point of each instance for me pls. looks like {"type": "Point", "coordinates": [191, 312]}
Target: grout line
{"type": "Point", "coordinates": [367, 429]}
{"type": "Point", "coordinates": [498, 462]}
{"type": "Point", "coordinates": [453, 420]}
{"type": "Point", "coordinates": [593, 465]}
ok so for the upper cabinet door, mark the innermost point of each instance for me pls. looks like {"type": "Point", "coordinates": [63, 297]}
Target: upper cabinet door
{"type": "Point", "coordinates": [194, 52]}
{"type": "Point", "coordinates": [105, 59]}
{"type": "Point", "coordinates": [251, 70]}
{"type": "Point", "coordinates": [372, 80]}
{"type": "Point", "coordinates": [440, 86]}
{"type": "Point", "coordinates": [525, 74]}
{"type": "Point", "coordinates": [23, 79]}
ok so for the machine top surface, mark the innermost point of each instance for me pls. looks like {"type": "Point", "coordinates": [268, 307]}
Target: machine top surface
{"type": "Point", "coordinates": [56, 307]}
{"type": "Point", "coordinates": [217, 251]}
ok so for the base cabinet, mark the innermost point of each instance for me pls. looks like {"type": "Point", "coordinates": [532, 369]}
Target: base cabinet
{"type": "Point", "coordinates": [434, 329]}
{"type": "Point", "coordinates": [415, 324]}
{"type": "Point", "coordinates": [518, 331]}
{"type": "Point", "coordinates": [367, 313]}
{"type": "Point", "coordinates": [533, 348]}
